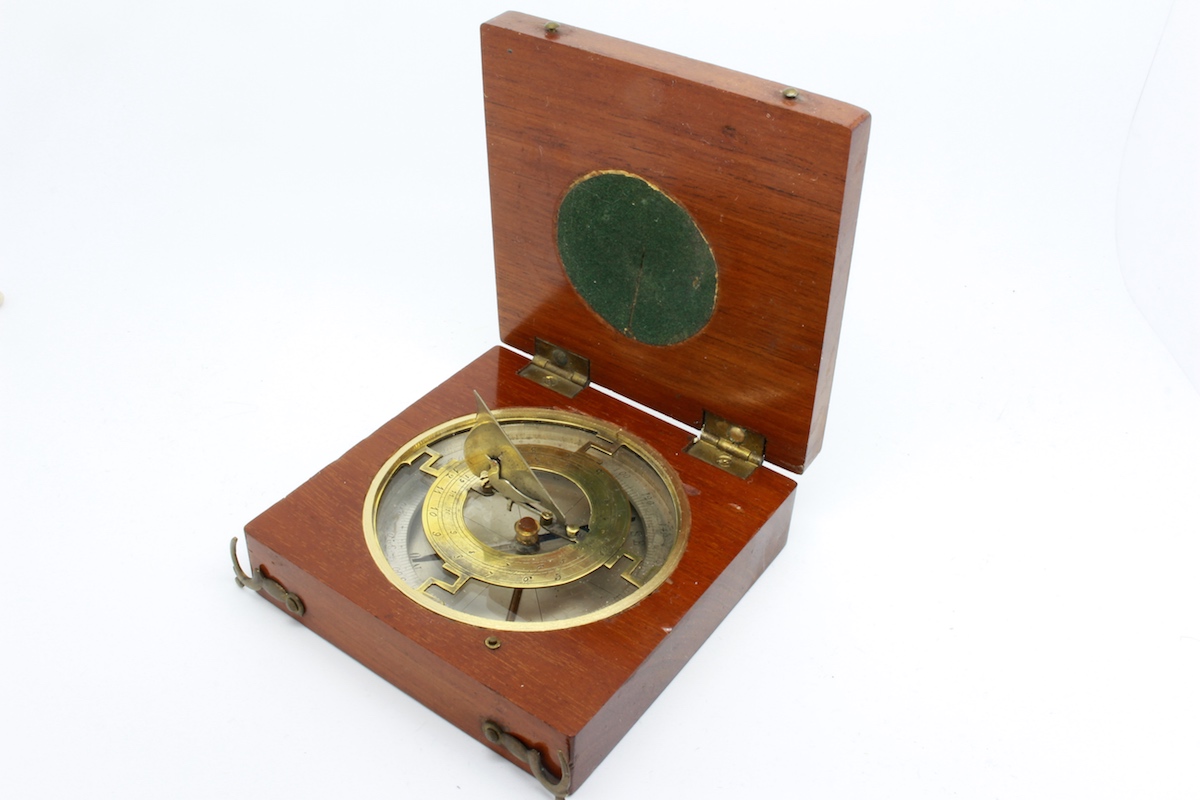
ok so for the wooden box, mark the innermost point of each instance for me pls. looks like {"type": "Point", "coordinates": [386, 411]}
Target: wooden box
{"type": "Point", "coordinates": [770, 179]}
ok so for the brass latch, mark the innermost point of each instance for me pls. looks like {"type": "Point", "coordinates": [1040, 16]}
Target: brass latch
{"type": "Point", "coordinates": [261, 583]}
{"type": "Point", "coordinates": [557, 369]}
{"type": "Point", "coordinates": [559, 787]}
{"type": "Point", "coordinates": [734, 448]}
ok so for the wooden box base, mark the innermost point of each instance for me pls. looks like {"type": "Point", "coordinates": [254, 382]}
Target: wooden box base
{"type": "Point", "coordinates": [575, 691]}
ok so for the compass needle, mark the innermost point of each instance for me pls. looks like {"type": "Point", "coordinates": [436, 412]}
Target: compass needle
{"type": "Point", "coordinates": [514, 604]}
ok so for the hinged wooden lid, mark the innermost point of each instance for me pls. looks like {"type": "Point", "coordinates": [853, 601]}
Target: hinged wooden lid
{"type": "Point", "coordinates": [769, 178]}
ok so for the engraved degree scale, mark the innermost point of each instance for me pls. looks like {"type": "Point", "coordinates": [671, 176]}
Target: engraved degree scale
{"type": "Point", "coordinates": [529, 557]}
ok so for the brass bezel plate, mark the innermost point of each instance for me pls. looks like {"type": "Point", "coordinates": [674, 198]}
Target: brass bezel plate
{"type": "Point", "coordinates": [614, 436]}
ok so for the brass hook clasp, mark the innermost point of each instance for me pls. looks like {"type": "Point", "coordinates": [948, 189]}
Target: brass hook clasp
{"type": "Point", "coordinates": [532, 757]}
{"type": "Point", "coordinates": [261, 583]}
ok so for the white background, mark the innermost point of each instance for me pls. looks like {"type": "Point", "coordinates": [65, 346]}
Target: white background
{"type": "Point", "coordinates": [236, 237]}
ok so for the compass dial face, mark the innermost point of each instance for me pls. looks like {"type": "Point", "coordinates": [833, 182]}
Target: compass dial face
{"type": "Point", "coordinates": [461, 541]}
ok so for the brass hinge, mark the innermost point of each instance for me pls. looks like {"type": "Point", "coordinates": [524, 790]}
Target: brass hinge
{"type": "Point", "coordinates": [557, 369]}
{"type": "Point", "coordinates": [734, 448]}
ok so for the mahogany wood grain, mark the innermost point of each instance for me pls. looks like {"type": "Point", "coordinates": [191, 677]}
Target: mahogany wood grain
{"type": "Point", "coordinates": [772, 183]}
{"type": "Point", "coordinates": [577, 690]}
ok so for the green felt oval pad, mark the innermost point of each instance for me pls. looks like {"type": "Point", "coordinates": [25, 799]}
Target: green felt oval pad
{"type": "Point", "coordinates": [637, 258]}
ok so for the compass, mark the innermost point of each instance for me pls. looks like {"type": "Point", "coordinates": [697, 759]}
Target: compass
{"type": "Point", "coordinates": [536, 561]}
{"type": "Point", "coordinates": [526, 519]}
